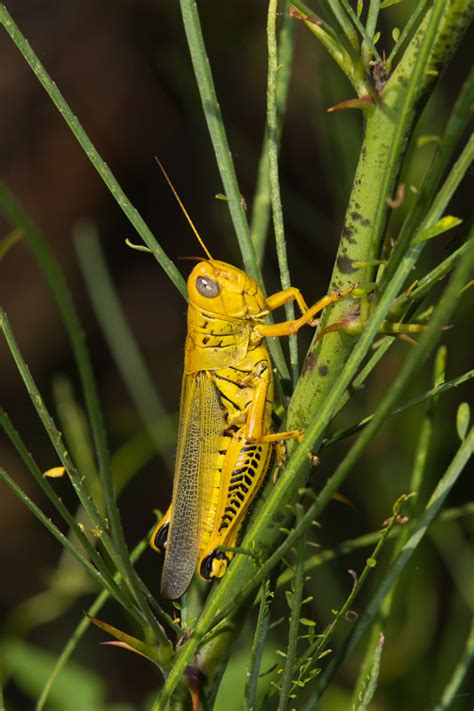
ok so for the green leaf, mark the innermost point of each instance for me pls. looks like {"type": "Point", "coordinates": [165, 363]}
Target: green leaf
{"type": "Point", "coordinates": [360, 7]}
{"type": "Point", "coordinates": [463, 418]}
{"type": "Point", "coordinates": [306, 622]}
{"type": "Point", "coordinates": [376, 37]}
{"type": "Point", "coordinates": [30, 666]}
{"type": "Point", "coordinates": [153, 652]}
{"type": "Point", "coordinates": [370, 685]}
{"type": "Point", "coordinates": [396, 34]}
{"type": "Point", "coordinates": [443, 225]}
{"type": "Point", "coordinates": [388, 3]}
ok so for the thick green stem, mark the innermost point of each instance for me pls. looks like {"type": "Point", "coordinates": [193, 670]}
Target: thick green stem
{"type": "Point", "coordinates": [388, 127]}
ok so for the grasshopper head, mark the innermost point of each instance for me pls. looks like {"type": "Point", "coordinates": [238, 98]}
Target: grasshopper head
{"type": "Point", "coordinates": [224, 290]}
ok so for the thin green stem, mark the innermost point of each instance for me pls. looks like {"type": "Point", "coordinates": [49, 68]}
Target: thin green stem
{"type": "Point", "coordinates": [215, 124]}
{"type": "Point", "coordinates": [459, 673]}
{"type": "Point", "coordinates": [100, 579]}
{"type": "Point", "coordinates": [81, 628]}
{"type": "Point", "coordinates": [417, 476]}
{"type": "Point", "coordinates": [369, 539]}
{"type": "Point", "coordinates": [57, 285]}
{"type": "Point", "coordinates": [426, 283]}
{"type": "Point", "coordinates": [91, 152]}
{"type": "Point", "coordinates": [426, 396]}
{"type": "Point", "coordinates": [437, 499]}
{"type": "Point", "coordinates": [75, 428]}
{"type": "Point", "coordinates": [416, 14]}
{"type": "Point", "coordinates": [346, 57]}
{"type": "Point", "coordinates": [370, 27]}
{"type": "Point", "coordinates": [317, 648]}
{"type": "Point", "coordinates": [296, 599]}
{"type": "Point", "coordinates": [258, 643]}
{"type": "Point", "coordinates": [371, 49]}
{"type": "Point", "coordinates": [260, 215]}
{"type": "Point", "coordinates": [116, 549]}
{"type": "Point", "coordinates": [456, 125]}
{"type": "Point", "coordinates": [272, 144]}
{"type": "Point", "coordinates": [344, 23]}
{"type": "Point", "coordinates": [212, 112]}
{"type": "Point", "coordinates": [121, 595]}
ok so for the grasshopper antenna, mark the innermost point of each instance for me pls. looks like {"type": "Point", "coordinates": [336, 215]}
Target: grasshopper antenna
{"type": "Point", "coordinates": [185, 212]}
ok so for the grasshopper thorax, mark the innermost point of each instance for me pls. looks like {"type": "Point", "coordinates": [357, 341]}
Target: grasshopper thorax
{"type": "Point", "coordinates": [225, 291]}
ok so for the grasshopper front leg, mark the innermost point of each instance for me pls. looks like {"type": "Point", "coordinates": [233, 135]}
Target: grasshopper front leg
{"type": "Point", "coordinates": [287, 328]}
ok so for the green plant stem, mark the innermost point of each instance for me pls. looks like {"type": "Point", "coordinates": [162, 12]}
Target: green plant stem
{"type": "Point", "coordinates": [100, 579]}
{"type": "Point", "coordinates": [370, 48]}
{"type": "Point", "coordinates": [458, 675]}
{"type": "Point", "coordinates": [426, 396]}
{"type": "Point", "coordinates": [321, 643]}
{"type": "Point", "coordinates": [420, 7]}
{"type": "Point", "coordinates": [260, 215]}
{"type": "Point", "coordinates": [426, 283]}
{"type": "Point", "coordinates": [459, 119]}
{"type": "Point", "coordinates": [255, 659]}
{"type": "Point", "coordinates": [370, 27]}
{"type": "Point", "coordinates": [81, 628]}
{"type": "Point", "coordinates": [57, 285]}
{"type": "Point", "coordinates": [421, 526]}
{"type": "Point", "coordinates": [346, 57]}
{"type": "Point", "coordinates": [295, 613]}
{"type": "Point", "coordinates": [121, 595]}
{"type": "Point", "coordinates": [366, 214]}
{"type": "Point", "coordinates": [225, 164]}
{"type": "Point", "coordinates": [417, 475]}
{"type": "Point", "coordinates": [212, 111]}
{"type": "Point", "coordinates": [274, 182]}
{"type": "Point", "coordinates": [344, 23]}
{"type": "Point", "coordinates": [89, 149]}
{"type": "Point", "coordinates": [75, 429]}
{"type": "Point", "coordinates": [369, 539]}
{"type": "Point", "coordinates": [116, 549]}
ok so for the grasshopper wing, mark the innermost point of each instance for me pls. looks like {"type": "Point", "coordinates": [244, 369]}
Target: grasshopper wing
{"type": "Point", "coordinates": [201, 426]}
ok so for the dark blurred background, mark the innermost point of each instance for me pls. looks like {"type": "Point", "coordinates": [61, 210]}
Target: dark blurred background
{"type": "Point", "coordinates": [124, 68]}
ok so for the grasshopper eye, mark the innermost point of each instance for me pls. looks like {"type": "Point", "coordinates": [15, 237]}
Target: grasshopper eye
{"type": "Point", "coordinates": [207, 287]}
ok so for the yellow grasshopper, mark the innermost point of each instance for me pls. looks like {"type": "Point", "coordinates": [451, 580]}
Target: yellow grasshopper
{"type": "Point", "coordinates": [225, 435]}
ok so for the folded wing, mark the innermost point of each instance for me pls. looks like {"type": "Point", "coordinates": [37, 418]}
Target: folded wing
{"type": "Point", "coordinates": [202, 424]}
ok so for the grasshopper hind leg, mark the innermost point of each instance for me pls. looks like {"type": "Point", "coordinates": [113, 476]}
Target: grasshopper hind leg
{"type": "Point", "coordinates": [159, 535]}
{"type": "Point", "coordinates": [214, 565]}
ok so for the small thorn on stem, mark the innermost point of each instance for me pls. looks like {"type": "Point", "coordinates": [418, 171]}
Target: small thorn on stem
{"type": "Point", "coordinates": [362, 102]}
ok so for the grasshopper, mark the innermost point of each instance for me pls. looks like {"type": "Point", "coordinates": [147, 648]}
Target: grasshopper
{"type": "Point", "coordinates": [225, 437]}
